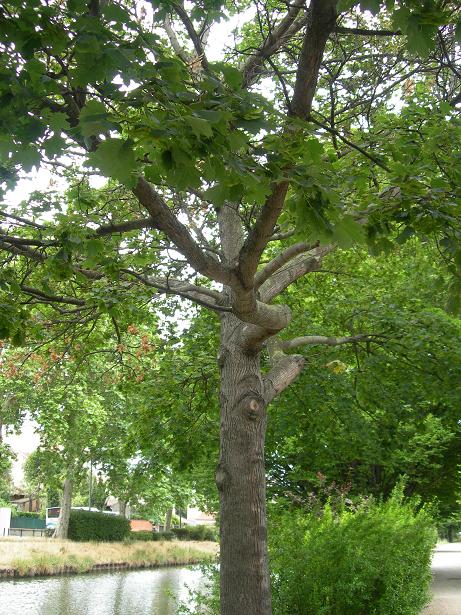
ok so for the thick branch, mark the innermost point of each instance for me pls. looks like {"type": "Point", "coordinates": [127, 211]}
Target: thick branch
{"type": "Point", "coordinates": [292, 271]}
{"type": "Point", "coordinates": [365, 32]}
{"type": "Point", "coordinates": [284, 372]}
{"type": "Point", "coordinates": [321, 23]}
{"type": "Point", "coordinates": [199, 294]}
{"type": "Point", "coordinates": [124, 227]}
{"type": "Point", "coordinates": [22, 251]}
{"type": "Point", "coordinates": [195, 38]}
{"type": "Point", "coordinates": [313, 340]}
{"type": "Point", "coordinates": [29, 290]}
{"type": "Point", "coordinates": [281, 259]}
{"type": "Point", "coordinates": [165, 221]}
{"type": "Point", "coordinates": [179, 51]}
{"type": "Point", "coordinates": [261, 233]}
{"type": "Point", "coordinates": [288, 26]}
{"type": "Point", "coordinates": [322, 19]}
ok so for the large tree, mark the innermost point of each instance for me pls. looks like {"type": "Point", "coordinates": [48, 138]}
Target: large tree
{"type": "Point", "coordinates": [219, 194]}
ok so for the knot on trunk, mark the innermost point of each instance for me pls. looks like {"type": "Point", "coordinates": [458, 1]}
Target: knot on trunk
{"type": "Point", "coordinates": [222, 477]}
{"type": "Point", "coordinates": [252, 405]}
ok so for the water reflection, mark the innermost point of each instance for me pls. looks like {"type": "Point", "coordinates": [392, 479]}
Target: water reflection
{"type": "Point", "coordinates": [141, 592]}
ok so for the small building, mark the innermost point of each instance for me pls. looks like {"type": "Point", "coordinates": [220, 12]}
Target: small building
{"type": "Point", "coordinates": [141, 525]}
{"type": "Point", "coordinates": [198, 517]}
{"type": "Point", "coordinates": [25, 503]}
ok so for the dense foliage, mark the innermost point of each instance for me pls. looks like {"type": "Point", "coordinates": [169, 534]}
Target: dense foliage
{"type": "Point", "coordinates": [86, 525]}
{"type": "Point", "coordinates": [373, 560]}
{"type": "Point", "coordinates": [195, 532]}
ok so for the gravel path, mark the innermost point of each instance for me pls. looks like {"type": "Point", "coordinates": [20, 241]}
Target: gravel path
{"type": "Point", "coordinates": [446, 586]}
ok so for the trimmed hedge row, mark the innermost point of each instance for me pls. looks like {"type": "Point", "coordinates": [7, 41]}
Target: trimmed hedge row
{"type": "Point", "coordinates": [195, 532]}
{"type": "Point", "coordinates": [148, 536]}
{"type": "Point", "coordinates": [86, 525]}
{"type": "Point", "coordinates": [25, 513]}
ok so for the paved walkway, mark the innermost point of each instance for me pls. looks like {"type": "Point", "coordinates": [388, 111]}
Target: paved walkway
{"type": "Point", "coordinates": [446, 586]}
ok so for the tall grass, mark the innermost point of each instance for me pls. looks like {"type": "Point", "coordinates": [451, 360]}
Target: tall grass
{"type": "Point", "coordinates": [48, 556]}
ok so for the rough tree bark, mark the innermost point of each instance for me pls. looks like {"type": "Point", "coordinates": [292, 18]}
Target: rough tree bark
{"type": "Point", "coordinates": [122, 507]}
{"type": "Point", "coordinates": [240, 476]}
{"type": "Point", "coordinates": [245, 393]}
{"type": "Point", "coordinates": [62, 529]}
{"type": "Point", "coordinates": [168, 516]}
{"type": "Point", "coordinates": [245, 585]}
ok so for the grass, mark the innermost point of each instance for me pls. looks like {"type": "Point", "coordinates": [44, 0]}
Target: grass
{"type": "Point", "coordinates": [46, 556]}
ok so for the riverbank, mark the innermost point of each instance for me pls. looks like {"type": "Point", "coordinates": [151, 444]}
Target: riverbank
{"type": "Point", "coordinates": [20, 557]}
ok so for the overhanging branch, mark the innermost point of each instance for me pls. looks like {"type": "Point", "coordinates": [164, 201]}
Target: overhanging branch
{"type": "Point", "coordinates": [311, 340]}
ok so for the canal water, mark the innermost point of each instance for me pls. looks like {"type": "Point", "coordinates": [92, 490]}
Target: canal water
{"type": "Point", "coordinates": [139, 592]}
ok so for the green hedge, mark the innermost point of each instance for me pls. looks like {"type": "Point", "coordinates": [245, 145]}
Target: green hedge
{"type": "Point", "coordinates": [148, 536]}
{"type": "Point", "coordinates": [157, 536]}
{"type": "Point", "coordinates": [374, 561]}
{"type": "Point", "coordinates": [25, 513]}
{"type": "Point", "coordinates": [195, 532]}
{"type": "Point", "coordinates": [144, 536]}
{"type": "Point", "coordinates": [86, 525]}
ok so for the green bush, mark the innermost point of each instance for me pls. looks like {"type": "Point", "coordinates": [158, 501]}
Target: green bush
{"type": "Point", "coordinates": [371, 561]}
{"type": "Point", "coordinates": [87, 525]}
{"type": "Point", "coordinates": [24, 513]}
{"type": "Point", "coordinates": [143, 536]}
{"type": "Point", "coordinates": [162, 536]}
{"type": "Point", "coordinates": [195, 532]}
{"type": "Point", "coordinates": [181, 533]}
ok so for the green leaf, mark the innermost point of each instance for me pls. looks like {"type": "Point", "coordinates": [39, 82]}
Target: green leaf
{"type": "Point", "coordinates": [93, 119]}
{"type": "Point", "coordinates": [370, 5]}
{"type": "Point", "coordinates": [115, 158]}
{"type": "Point", "coordinates": [314, 149]}
{"type": "Point", "coordinates": [348, 232]}
{"type": "Point", "coordinates": [200, 127]}
{"type": "Point", "coordinates": [210, 115]}
{"type": "Point", "coordinates": [113, 12]}
{"type": "Point", "coordinates": [94, 247]}
{"type": "Point", "coordinates": [57, 122]}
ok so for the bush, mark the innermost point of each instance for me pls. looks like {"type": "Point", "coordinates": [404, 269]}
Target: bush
{"type": "Point", "coordinates": [24, 513]}
{"type": "Point", "coordinates": [162, 536]}
{"type": "Point", "coordinates": [144, 535]}
{"type": "Point", "coordinates": [87, 525]}
{"type": "Point", "coordinates": [371, 561]}
{"type": "Point", "coordinates": [195, 532]}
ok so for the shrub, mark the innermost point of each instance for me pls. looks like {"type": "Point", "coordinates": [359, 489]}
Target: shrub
{"type": "Point", "coordinates": [162, 536]}
{"type": "Point", "coordinates": [371, 561]}
{"type": "Point", "coordinates": [25, 513]}
{"type": "Point", "coordinates": [144, 535]}
{"type": "Point", "coordinates": [195, 532]}
{"type": "Point", "coordinates": [87, 525]}
{"type": "Point", "coordinates": [181, 533]}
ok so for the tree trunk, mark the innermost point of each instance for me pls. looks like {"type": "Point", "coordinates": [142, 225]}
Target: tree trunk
{"type": "Point", "coordinates": [62, 528]}
{"type": "Point", "coordinates": [169, 514]}
{"type": "Point", "coordinates": [240, 477]}
{"type": "Point", "coordinates": [122, 507]}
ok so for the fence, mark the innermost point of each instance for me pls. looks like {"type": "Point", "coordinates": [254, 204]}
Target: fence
{"type": "Point", "coordinates": [23, 532]}
{"type": "Point", "coordinates": [27, 523]}
{"type": "Point", "coordinates": [26, 526]}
